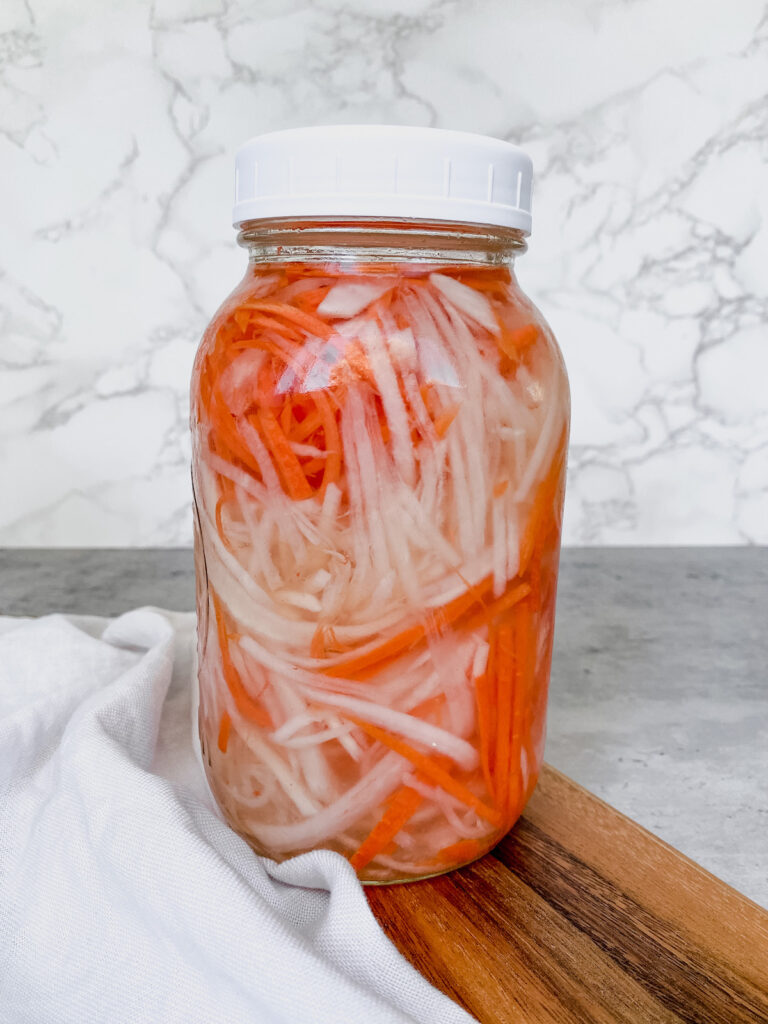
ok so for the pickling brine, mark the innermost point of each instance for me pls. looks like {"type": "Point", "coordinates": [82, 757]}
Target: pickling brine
{"type": "Point", "coordinates": [379, 445]}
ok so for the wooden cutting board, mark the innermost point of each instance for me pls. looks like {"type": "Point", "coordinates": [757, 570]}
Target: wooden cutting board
{"type": "Point", "coordinates": [582, 915]}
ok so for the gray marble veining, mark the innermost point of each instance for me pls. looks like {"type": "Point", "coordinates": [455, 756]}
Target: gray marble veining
{"type": "Point", "coordinates": [659, 698]}
{"type": "Point", "coordinates": [648, 125]}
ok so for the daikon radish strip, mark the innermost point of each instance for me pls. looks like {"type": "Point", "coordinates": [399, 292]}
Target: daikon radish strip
{"type": "Point", "coordinates": [288, 782]}
{"type": "Point", "coordinates": [291, 671]}
{"type": "Point", "coordinates": [421, 417]}
{"type": "Point", "coordinates": [297, 289]}
{"type": "Point", "coordinates": [293, 725]}
{"type": "Point", "coordinates": [408, 637]}
{"type": "Point", "coordinates": [430, 770]}
{"type": "Point", "coordinates": [237, 476]}
{"type": "Point", "coordinates": [315, 739]}
{"type": "Point", "coordinates": [317, 581]}
{"type": "Point", "coordinates": [499, 540]}
{"type": "Point", "coordinates": [461, 497]}
{"type": "Point", "coordinates": [259, 525]}
{"type": "Point", "coordinates": [254, 802]}
{"type": "Point", "coordinates": [399, 811]}
{"type": "Point", "coordinates": [330, 508]}
{"type": "Point", "coordinates": [469, 302]}
{"type": "Point", "coordinates": [349, 298]}
{"type": "Point", "coordinates": [244, 702]}
{"type": "Point", "coordinates": [448, 805]}
{"type": "Point", "coordinates": [394, 407]}
{"type": "Point", "coordinates": [471, 421]}
{"type": "Point", "coordinates": [415, 512]}
{"type": "Point", "coordinates": [239, 592]}
{"type": "Point", "coordinates": [314, 765]}
{"type": "Point", "coordinates": [358, 801]}
{"type": "Point", "coordinates": [307, 450]}
{"type": "Point", "coordinates": [434, 362]}
{"type": "Point", "coordinates": [299, 599]}
{"type": "Point", "coordinates": [415, 729]}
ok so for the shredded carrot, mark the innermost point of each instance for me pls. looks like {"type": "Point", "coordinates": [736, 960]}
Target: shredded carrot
{"type": "Point", "coordinates": [311, 324]}
{"type": "Point", "coordinates": [432, 771]}
{"type": "Point", "coordinates": [401, 809]}
{"type": "Point", "coordinates": [484, 695]}
{"type": "Point", "coordinates": [524, 640]}
{"type": "Point", "coordinates": [244, 702]}
{"type": "Point", "coordinates": [332, 442]}
{"type": "Point", "coordinates": [436, 620]}
{"type": "Point", "coordinates": [500, 488]}
{"type": "Point", "coordinates": [542, 505]}
{"type": "Point", "coordinates": [429, 706]}
{"type": "Point", "coordinates": [512, 343]}
{"type": "Point", "coordinates": [502, 604]}
{"type": "Point", "coordinates": [288, 466]}
{"type": "Point", "coordinates": [505, 653]}
{"type": "Point", "coordinates": [224, 728]}
{"type": "Point", "coordinates": [443, 422]}
{"type": "Point", "coordinates": [462, 852]}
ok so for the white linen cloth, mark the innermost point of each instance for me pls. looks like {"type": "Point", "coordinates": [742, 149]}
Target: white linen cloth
{"type": "Point", "coordinates": [124, 897]}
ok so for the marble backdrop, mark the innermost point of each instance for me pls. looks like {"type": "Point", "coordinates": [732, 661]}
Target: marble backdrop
{"type": "Point", "coordinates": [648, 124]}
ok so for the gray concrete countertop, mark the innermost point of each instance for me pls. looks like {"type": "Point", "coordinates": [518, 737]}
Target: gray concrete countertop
{"type": "Point", "coordinates": [659, 697]}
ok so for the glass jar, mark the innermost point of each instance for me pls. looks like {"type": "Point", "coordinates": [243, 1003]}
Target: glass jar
{"type": "Point", "coordinates": [380, 421]}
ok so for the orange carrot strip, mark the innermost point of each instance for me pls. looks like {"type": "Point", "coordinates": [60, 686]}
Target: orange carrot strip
{"type": "Point", "coordinates": [402, 807]}
{"type": "Point", "coordinates": [525, 640]}
{"type": "Point", "coordinates": [244, 702]}
{"type": "Point", "coordinates": [307, 427]}
{"type": "Point", "coordinates": [317, 646]}
{"type": "Point", "coordinates": [220, 524]}
{"type": "Point", "coordinates": [309, 301]}
{"type": "Point", "coordinates": [224, 728]}
{"type": "Point", "coordinates": [437, 619]}
{"type": "Point", "coordinates": [500, 488]}
{"type": "Point", "coordinates": [428, 706]}
{"type": "Point", "coordinates": [512, 343]}
{"type": "Point", "coordinates": [541, 510]}
{"type": "Point", "coordinates": [505, 654]}
{"type": "Point", "coordinates": [498, 607]}
{"type": "Point", "coordinates": [288, 466]}
{"type": "Point", "coordinates": [443, 422]}
{"type": "Point", "coordinates": [462, 852]}
{"type": "Point", "coordinates": [307, 322]}
{"type": "Point", "coordinates": [432, 771]}
{"type": "Point", "coordinates": [332, 469]}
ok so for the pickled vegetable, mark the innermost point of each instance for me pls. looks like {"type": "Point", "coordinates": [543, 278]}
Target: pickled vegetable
{"type": "Point", "coordinates": [378, 474]}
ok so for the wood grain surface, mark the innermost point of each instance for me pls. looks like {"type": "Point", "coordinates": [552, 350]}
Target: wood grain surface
{"type": "Point", "coordinates": [582, 915]}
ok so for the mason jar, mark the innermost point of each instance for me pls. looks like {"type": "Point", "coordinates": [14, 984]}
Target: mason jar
{"type": "Point", "coordinates": [380, 424]}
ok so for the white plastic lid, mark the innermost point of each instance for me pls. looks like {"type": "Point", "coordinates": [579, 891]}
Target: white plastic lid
{"type": "Point", "coordinates": [387, 171]}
